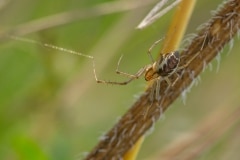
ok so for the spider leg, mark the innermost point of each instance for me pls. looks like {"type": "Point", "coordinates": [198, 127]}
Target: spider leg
{"type": "Point", "coordinates": [127, 74]}
{"type": "Point", "coordinates": [182, 67]}
{"type": "Point", "coordinates": [150, 49]}
{"type": "Point", "coordinates": [186, 64]}
{"type": "Point", "coordinates": [178, 77]}
{"type": "Point", "coordinates": [168, 81]}
{"type": "Point", "coordinates": [132, 77]}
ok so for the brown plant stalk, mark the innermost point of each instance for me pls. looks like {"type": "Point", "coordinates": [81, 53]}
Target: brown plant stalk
{"type": "Point", "coordinates": [207, 44]}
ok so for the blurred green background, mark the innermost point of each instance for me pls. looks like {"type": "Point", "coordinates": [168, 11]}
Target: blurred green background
{"type": "Point", "coordinates": [52, 108]}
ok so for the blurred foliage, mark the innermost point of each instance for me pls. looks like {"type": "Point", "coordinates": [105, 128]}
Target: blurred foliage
{"type": "Point", "coordinates": [50, 105]}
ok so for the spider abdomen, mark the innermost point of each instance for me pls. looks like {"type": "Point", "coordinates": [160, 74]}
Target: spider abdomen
{"type": "Point", "coordinates": [169, 64]}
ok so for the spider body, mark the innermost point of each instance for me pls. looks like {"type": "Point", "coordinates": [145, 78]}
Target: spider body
{"type": "Point", "coordinates": [164, 67]}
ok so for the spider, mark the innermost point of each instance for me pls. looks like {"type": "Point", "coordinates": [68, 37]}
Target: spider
{"type": "Point", "coordinates": [165, 66]}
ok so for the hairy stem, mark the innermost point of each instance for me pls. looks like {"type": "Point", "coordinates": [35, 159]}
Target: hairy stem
{"type": "Point", "coordinates": [171, 43]}
{"type": "Point", "coordinates": [207, 44]}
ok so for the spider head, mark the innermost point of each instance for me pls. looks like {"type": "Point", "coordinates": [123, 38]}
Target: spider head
{"type": "Point", "coordinates": [165, 66]}
{"type": "Point", "coordinates": [151, 72]}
